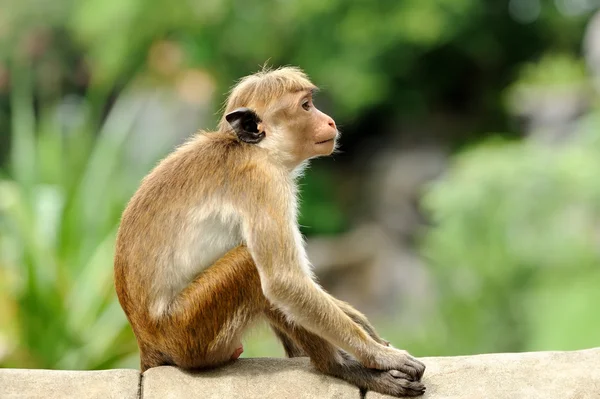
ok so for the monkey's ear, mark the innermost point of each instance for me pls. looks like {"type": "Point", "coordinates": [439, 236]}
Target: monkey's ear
{"type": "Point", "coordinates": [244, 122]}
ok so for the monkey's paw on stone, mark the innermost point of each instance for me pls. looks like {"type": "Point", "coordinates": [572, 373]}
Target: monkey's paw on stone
{"type": "Point", "coordinates": [401, 384]}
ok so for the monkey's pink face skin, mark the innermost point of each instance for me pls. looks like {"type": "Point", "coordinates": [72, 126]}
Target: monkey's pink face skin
{"type": "Point", "coordinates": [325, 133]}
{"type": "Point", "coordinates": [310, 132]}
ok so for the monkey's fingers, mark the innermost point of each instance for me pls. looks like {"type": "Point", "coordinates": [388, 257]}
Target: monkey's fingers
{"type": "Point", "coordinates": [401, 384]}
{"type": "Point", "coordinates": [411, 388]}
{"type": "Point", "coordinates": [399, 374]}
{"type": "Point", "coordinates": [412, 367]}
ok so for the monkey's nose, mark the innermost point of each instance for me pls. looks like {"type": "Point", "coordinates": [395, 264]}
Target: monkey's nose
{"type": "Point", "coordinates": [331, 123]}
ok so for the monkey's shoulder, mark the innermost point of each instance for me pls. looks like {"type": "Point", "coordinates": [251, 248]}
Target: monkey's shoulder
{"type": "Point", "coordinates": [210, 162]}
{"type": "Point", "coordinates": [219, 155]}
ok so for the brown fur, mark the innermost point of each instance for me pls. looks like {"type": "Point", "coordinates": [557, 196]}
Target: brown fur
{"type": "Point", "coordinates": [266, 274]}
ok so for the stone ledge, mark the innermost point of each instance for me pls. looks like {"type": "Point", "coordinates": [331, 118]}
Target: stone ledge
{"type": "Point", "coordinates": [247, 379]}
{"type": "Point", "coordinates": [547, 375]}
{"type": "Point", "coordinates": [55, 384]}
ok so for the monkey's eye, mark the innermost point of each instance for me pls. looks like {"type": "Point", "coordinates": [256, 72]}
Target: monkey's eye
{"type": "Point", "coordinates": [306, 105]}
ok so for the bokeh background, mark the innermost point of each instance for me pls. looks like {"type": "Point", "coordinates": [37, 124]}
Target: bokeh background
{"type": "Point", "coordinates": [462, 215]}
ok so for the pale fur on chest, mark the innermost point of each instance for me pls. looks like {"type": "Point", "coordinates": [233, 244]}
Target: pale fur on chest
{"type": "Point", "coordinates": [208, 232]}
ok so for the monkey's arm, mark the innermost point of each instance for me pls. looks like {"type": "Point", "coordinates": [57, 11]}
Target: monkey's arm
{"type": "Point", "coordinates": [360, 319]}
{"type": "Point", "coordinates": [274, 240]}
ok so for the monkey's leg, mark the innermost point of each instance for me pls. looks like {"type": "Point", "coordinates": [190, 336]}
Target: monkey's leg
{"type": "Point", "coordinates": [332, 361]}
{"type": "Point", "coordinates": [205, 323]}
{"type": "Point", "coordinates": [290, 348]}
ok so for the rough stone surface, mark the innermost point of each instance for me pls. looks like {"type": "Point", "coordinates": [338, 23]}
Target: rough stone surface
{"type": "Point", "coordinates": [55, 384]}
{"type": "Point", "coordinates": [541, 375]}
{"type": "Point", "coordinates": [535, 375]}
{"type": "Point", "coordinates": [248, 379]}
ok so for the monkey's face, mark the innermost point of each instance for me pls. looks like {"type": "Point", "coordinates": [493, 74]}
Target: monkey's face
{"type": "Point", "coordinates": [300, 129]}
{"type": "Point", "coordinates": [290, 127]}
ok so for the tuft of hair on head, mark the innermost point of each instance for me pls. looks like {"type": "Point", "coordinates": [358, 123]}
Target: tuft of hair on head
{"type": "Point", "coordinates": [261, 87]}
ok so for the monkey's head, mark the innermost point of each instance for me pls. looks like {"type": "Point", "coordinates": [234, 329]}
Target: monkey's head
{"type": "Point", "coordinates": [274, 109]}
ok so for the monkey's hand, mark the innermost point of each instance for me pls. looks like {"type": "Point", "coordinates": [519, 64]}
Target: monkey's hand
{"type": "Point", "coordinates": [389, 358]}
{"type": "Point", "coordinates": [387, 382]}
{"type": "Point", "coordinates": [398, 383]}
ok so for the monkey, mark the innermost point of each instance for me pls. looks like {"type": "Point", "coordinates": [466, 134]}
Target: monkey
{"type": "Point", "coordinates": [210, 243]}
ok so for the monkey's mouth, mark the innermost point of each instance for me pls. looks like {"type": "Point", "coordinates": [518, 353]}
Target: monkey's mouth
{"type": "Point", "coordinates": [325, 141]}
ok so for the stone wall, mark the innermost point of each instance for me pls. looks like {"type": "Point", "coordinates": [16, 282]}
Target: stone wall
{"type": "Point", "coordinates": [547, 375]}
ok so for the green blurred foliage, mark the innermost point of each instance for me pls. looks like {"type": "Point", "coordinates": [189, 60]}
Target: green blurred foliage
{"type": "Point", "coordinates": [58, 217]}
{"type": "Point", "coordinates": [231, 38]}
{"type": "Point", "coordinates": [515, 247]}
{"type": "Point", "coordinates": [62, 190]}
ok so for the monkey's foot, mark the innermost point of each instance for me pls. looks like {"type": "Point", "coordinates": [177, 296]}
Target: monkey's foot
{"type": "Point", "coordinates": [237, 352]}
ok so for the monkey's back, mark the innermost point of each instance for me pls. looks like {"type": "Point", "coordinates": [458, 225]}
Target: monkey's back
{"type": "Point", "coordinates": [180, 221]}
